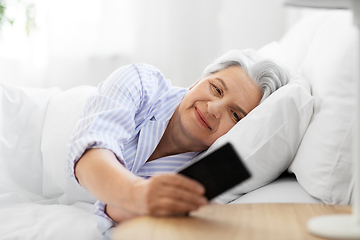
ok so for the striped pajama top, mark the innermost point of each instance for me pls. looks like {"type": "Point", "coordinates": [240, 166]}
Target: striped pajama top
{"type": "Point", "coordinates": [128, 115]}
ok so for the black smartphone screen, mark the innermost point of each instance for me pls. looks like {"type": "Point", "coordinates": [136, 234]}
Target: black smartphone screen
{"type": "Point", "coordinates": [218, 171]}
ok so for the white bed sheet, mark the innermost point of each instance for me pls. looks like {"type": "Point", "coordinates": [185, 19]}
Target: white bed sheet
{"type": "Point", "coordinates": [25, 212]}
{"type": "Point", "coordinates": [28, 221]}
{"type": "Point", "coordinates": [283, 190]}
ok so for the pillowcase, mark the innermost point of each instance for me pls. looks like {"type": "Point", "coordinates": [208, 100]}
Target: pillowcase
{"type": "Point", "coordinates": [267, 139]}
{"type": "Point", "coordinates": [297, 40]}
{"type": "Point", "coordinates": [22, 115]}
{"type": "Point", "coordinates": [323, 164]}
{"type": "Point", "coordinates": [63, 111]}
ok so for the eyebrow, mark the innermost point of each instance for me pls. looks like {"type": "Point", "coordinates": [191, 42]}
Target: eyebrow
{"type": "Point", "coordinates": [241, 110]}
{"type": "Point", "coordinates": [225, 87]}
{"type": "Point", "coordinates": [222, 83]}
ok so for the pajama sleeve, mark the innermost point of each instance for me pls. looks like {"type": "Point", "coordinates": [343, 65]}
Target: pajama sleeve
{"type": "Point", "coordinates": [108, 118]}
{"type": "Point", "coordinates": [113, 116]}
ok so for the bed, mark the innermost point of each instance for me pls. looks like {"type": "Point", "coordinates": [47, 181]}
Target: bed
{"type": "Point", "coordinates": [298, 152]}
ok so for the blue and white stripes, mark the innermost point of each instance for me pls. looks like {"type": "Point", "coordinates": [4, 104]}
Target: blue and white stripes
{"type": "Point", "coordinates": [128, 115]}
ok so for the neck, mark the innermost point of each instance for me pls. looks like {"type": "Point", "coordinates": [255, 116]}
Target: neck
{"type": "Point", "coordinates": [174, 141]}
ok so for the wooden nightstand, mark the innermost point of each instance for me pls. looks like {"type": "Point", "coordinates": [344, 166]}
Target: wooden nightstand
{"type": "Point", "coordinates": [234, 221]}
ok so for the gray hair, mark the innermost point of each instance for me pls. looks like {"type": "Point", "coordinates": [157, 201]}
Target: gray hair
{"type": "Point", "coordinates": [266, 73]}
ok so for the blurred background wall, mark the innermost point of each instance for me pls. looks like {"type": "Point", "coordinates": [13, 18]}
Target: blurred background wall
{"type": "Point", "coordinates": [77, 42]}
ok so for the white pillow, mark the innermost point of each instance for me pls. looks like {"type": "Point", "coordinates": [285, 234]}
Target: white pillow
{"type": "Point", "coordinates": [323, 163]}
{"type": "Point", "coordinates": [297, 40]}
{"type": "Point", "coordinates": [63, 111]}
{"type": "Point", "coordinates": [22, 115]}
{"type": "Point", "coordinates": [268, 137]}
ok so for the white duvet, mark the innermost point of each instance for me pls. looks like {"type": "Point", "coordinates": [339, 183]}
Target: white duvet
{"type": "Point", "coordinates": [37, 199]}
{"type": "Point", "coordinates": [27, 221]}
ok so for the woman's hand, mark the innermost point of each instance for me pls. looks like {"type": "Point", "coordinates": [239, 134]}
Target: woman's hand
{"type": "Point", "coordinates": [128, 195]}
{"type": "Point", "coordinates": [168, 195]}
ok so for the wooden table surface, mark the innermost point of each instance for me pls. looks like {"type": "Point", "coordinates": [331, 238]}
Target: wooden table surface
{"type": "Point", "coordinates": [233, 221]}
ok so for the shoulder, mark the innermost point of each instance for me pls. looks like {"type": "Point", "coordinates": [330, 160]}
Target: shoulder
{"type": "Point", "coordinates": [141, 71]}
{"type": "Point", "coordinates": [140, 76]}
{"type": "Point", "coordinates": [146, 70]}
{"type": "Point", "coordinates": [152, 78]}
{"type": "Point", "coordinates": [141, 84]}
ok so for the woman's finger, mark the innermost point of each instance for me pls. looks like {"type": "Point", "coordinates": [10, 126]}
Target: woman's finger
{"type": "Point", "coordinates": [170, 207]}
{"type": "Point", "coordinates": [181, 181]}
{"type": "Point", "coordinates": [181, 194]}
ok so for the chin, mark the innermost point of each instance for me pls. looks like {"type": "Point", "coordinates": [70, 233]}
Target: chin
{"type": "Point", "coordinates": [201, 146]}
{"type": "Point", "coordinates": [207, 145]}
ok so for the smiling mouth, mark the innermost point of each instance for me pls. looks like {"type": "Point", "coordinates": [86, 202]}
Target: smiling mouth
{"type": "Point", "coordinates": [202, 118]}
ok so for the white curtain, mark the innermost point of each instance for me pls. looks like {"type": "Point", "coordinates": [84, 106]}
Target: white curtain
{"type": "Point", "coordinates": [80, 42]}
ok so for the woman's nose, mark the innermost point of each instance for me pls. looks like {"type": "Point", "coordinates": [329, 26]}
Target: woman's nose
{"type": "Point", "coordinates": [215, 108]}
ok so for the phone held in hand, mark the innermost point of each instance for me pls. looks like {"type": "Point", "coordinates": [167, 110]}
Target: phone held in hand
{"type": "Point", "coordinates": [219, 171]}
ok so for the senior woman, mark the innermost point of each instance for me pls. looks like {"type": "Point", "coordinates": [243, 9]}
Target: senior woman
{"type": "Point", "coordinates": [137, 125]}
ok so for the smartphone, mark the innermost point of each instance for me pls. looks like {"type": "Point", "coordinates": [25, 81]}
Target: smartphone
{"type": "Point", "coordinates": [218, 172]}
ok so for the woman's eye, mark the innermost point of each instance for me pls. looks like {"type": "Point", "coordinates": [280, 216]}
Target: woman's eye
{"type": "Point", "coordinates": [236, 117]}
{"type": "Point", "coordinates": [216, 89]}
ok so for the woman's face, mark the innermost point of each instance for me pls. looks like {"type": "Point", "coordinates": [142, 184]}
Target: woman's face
{"type": "Point", "coordinates": [216, 103]}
